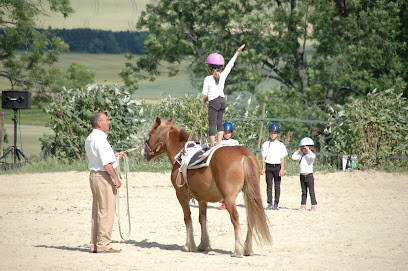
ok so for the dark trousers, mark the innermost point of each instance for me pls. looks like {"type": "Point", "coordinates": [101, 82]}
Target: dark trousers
{"type": "Point", "coordinates": [307, 183]}
{"type": "Point", "coordinates": [216, 109]}
{"type": "Point", "coordinates": [272, 176]}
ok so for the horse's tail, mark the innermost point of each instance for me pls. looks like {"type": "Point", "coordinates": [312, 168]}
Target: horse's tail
{"type": "Point", "coordinates": [256, 217]}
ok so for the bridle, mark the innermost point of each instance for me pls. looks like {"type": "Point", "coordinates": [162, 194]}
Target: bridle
{"type": "Point", "coordinates": [154, 150]}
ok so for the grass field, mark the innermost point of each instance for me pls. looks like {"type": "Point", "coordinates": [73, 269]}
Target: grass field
{"type": "Point", "coordinates": [107, 68]}
{"type": "Point", "coordinates": [115, 15]}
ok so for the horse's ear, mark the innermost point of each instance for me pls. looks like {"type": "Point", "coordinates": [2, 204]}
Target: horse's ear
{"type": "Point", "coordinates": [158, 121]}
{"type": "Point", "coordinates": [170, 120]}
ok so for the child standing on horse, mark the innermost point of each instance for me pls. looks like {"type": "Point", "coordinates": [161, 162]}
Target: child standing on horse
{"type": "Point", "coordinates": [213, 91]}
{"type": "Point", "coordinates": [306, 157]}
{"type": "Point", "coordinates": [273, 153]}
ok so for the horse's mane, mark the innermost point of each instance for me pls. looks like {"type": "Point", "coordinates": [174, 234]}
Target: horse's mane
{"type": "Point", "coordinates": [183, 134]}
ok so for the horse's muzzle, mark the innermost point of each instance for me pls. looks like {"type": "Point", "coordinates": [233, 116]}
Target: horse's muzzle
{"type": "Point", "coordinates": [145, 155]}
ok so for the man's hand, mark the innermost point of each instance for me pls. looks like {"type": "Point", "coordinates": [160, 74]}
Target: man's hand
{"type": "Point", "coordinates": [119, 155]}
{"type": "Point", "coordinates": [118, 184]}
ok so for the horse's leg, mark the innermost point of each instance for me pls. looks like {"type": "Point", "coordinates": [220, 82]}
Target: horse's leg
{"type": "Point", "coordinates": [205, 241]}
{"type": "Point", "coordinates": [185, 204]}
{"type": "Point", "coordinates": [232, 209]}
{"type": "Point", "coordinates": [248, 243]}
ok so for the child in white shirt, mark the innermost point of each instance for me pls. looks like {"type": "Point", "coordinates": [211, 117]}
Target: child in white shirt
{"type": "Point", "coordinates": [273, 153]}
{"type": "Point", "coordinates": [306, 157]}
{"type": "Point", "coordinates": [228, 140]}
{"type": "Point", "coordinates": [213, 92]}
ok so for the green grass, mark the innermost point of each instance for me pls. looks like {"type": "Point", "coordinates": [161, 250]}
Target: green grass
{"type": "Point", "coordinates": [39, 165]}
{"type": "Point", "coordinates": [108, 66]}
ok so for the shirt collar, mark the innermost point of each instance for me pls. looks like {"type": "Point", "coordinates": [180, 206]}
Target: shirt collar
{"type": "Point", "coordinates": [99, 132]}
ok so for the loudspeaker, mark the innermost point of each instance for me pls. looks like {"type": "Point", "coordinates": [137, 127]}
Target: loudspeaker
{"type": "Point", "coordinates": [15, 99]}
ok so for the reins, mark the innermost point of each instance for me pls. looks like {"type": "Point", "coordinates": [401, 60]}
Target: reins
{"type": "Point", "coordinates": [182, 150]}
{"type": "Point", "coordinates": [195, 124]}
{"type": "Point", "coordinates": [118, 172]}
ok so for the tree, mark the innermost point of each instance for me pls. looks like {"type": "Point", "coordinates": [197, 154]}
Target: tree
{"type": "Point", "coordinates": [193, 29]}
{"type": "Point", "coordinates": [33, 68]}
{"type": "Point", "coordinates": [356, 45]}
{"type": "Point", "coordinates": [360, 45]}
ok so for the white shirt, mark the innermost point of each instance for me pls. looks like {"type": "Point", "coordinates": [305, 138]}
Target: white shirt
{"type": "Point", "coordinates": [273, 151]}
{"type": "Point", "coordinates": [211, 89]}
{"type": "Point", "coordinates": [306, 161]}
{"type": "Point", "coordinates": [99, 151]}
{"type": "Point", "coordinates": [230, 142]}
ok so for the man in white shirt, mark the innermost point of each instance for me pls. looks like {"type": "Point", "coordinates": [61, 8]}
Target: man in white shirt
{"type": "Point", "coordinates": [104, 183]}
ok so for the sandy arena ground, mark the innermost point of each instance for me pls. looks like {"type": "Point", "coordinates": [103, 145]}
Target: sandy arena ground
{"type": "Point", "coordinates": [361, 224]}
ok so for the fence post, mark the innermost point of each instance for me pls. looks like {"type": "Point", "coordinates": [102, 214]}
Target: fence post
{"type": "Point", "coordinates": [261, 131]}
{"type": "Point", "coordinates": [1, 133]}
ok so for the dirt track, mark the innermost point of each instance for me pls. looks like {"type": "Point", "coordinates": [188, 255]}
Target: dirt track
{"type": "Point", "coordinates": [361, 224]}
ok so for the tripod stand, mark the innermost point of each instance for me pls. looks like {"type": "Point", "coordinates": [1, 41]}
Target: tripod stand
{"type": "Point", "coordinates": [14, 149]}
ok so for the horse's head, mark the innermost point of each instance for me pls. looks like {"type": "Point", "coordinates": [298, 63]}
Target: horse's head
{"type": "Point", "coordinates": [155, 144]}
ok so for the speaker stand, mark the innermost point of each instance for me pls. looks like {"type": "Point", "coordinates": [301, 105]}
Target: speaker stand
{"type": "Point", "coordinates": [17, 153]}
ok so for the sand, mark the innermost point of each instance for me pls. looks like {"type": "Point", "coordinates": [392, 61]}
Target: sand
{"type": "Point", "coordinates": [361, 223]}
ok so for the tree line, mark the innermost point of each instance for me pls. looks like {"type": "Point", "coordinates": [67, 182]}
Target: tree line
{"type": "Point", "coordinates": [85, 40]}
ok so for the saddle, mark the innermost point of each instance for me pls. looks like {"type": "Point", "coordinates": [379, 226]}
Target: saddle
{"type": "Point", "coordinates": [194, 155]}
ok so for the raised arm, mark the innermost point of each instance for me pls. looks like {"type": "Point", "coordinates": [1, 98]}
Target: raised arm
{"type": "Point", "coordinates": [238, 51]}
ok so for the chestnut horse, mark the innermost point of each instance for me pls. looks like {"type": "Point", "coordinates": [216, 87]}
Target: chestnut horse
{"type": "Point", "coordinates": [232, 169]}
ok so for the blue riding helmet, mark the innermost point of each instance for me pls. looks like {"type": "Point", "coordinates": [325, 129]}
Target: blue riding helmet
{"type": "Point", "coordinates": [275, 127]}
{"type": "Point", "coordinates": [228, 126]}
{"type": "Point", "coordinates": [306, 141]}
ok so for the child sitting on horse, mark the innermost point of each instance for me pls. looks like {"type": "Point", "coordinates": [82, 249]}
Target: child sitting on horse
{"type": "Point", "coordinates": [213, 91]}
{"type": "Point", "coordinates": [228, 134]}
{"type": "Point", "coordinates": [228, 140]}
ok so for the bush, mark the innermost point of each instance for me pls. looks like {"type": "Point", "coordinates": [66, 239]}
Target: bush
{"type": "Point", "coordinates": [375, 129]}
{"type": "Point", "coordinates": [185, 111]}
{"type": "Point", "coordinates": [71, 110]}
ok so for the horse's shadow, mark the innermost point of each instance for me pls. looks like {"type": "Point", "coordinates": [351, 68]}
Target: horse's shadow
{"type": "Point", "coordinates": [141, 244]}
{"type": "Point", "coordinates": [192, 205]}
{"type": "Point", "coordinates": [146, 244]}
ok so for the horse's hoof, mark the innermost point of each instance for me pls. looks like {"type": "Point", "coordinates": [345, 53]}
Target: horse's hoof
{"type": "Point", "coordinates": [189, 249]}
{"type": "Point", "coordinates": [203, 248]}
{"type": "Point", "coordinates": [248, 253]}
{"type": "Point", "coordinates": [237, 255]}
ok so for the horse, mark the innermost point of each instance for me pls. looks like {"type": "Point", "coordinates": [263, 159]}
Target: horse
{"type": "Point", "coordinates": [232, 169]}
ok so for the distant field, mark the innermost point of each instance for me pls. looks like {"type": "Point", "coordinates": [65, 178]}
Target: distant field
{"type": "Point", "coordinates": [27, 139]}
{"type": "Point", "coordinates": [107, 68]}
{"type": "Point", "coordinates": [115, 15]}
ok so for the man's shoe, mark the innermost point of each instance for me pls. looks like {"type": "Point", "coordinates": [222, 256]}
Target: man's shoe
{"type": "Point", "coordinates": [275, 207]}
{"type": "Point", "coordinates": [269, 207]}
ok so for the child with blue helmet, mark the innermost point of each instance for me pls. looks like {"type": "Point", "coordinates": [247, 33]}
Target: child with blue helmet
{"type": "Point", "coordinates": [273, 153]}
{"type": "Point", "coordinates": [228, 134]}
{"type": "Point", "coordinates": [306, 157]}
{"type": "Point", "coordinates": [228, 140]}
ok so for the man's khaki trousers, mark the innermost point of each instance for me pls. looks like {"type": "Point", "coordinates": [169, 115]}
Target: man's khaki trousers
{"type": "Point", "coordinates": [103, 210]}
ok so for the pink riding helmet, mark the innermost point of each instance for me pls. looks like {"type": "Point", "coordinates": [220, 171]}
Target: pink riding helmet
{"type": "Point", "coordinates": [215, 59]}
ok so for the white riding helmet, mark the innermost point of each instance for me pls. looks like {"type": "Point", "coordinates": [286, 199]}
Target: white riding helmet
{"type": "Point", "coordinates": [306, 141]}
